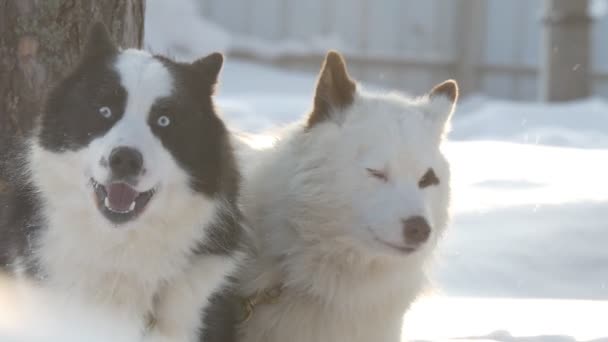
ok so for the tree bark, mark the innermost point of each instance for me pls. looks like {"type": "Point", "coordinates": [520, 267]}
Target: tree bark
{"type": "Point", "coordinates": [40, 40]}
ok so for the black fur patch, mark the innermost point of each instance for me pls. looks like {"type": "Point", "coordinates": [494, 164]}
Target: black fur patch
{"type": "Point", "coordinates": [224, 234]}
{"type": "Point", "coordinates": [196, 137]}
{"type": "Point", "coordinates": [220, 317]}
{"type": "Point", "coordinates": [71, 117]}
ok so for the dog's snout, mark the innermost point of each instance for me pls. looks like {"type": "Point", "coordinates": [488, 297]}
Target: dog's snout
{"type": "Point", "coordinates": [416, 230]}
{"type": "Point", "coordinates": [125, 162]}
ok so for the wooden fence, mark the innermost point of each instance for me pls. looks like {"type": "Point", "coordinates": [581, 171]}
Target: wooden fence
{"type": "Point", "coordinates": [490, 46]}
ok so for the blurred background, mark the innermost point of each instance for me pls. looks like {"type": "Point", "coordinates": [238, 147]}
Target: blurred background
{"type": "Point", "coordinates": [498, 48]}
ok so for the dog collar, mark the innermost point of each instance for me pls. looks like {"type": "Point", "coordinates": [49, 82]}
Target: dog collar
{"type": "Point", "coordinates": [267, 296]}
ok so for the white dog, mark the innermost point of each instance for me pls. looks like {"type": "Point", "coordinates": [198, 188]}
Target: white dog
{"type": "Point", "coordinates": [344, 213]}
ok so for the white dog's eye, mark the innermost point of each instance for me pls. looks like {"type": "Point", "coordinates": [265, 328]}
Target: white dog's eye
{"type": "Point", "coordinates": [381, 175]}
{"type": "Point", "coordinates": [106, 112]}
{"type": "Point", "coordinates": [163, 121]}
{"type": "Point", "coordinates": [428, 179]}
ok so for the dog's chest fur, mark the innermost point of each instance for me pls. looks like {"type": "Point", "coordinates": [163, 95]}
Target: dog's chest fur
{"type": "Point", "coordinates": [312, 324]}
{"type": "Point", "coordinates": [359, 308]}
{"type": "Point", "coordinates": [82, 259]}
{"type": "Point", "coordinates": [80, 256]}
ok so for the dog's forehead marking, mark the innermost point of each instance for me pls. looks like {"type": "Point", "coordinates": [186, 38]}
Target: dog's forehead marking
{"type": "Point", "coordinates": [145, 79]}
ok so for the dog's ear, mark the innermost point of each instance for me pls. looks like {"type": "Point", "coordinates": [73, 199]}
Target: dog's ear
{"type": "Point", "coordinates": [335, 89]}
{"type": "Point", "coordinates": [447, 90]}
{"type": "Point", "coordinates": [442, 102]}
{"type": "Point", "coordinates": [210, 66]}
{"type": "Point", "coordinates": [99, 43]}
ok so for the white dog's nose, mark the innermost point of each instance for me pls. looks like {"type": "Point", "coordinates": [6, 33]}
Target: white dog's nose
{"type": "Point", "coordinates": [125, 162]}
{"type": "Point", "coordinates": [416, 230]}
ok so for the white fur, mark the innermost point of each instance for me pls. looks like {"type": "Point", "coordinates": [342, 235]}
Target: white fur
{"type": "Point", "coordinates": [124, 268]}
{"type": "Point", "coordinates": [179, 306]}
{"type": "Point", "coordinates": [145, 80]}
{"type": "Point", "coordinates": [317, 217]}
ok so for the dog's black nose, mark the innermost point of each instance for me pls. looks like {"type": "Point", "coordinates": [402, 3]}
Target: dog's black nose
{"type": "Point", "coordinates": [416, 230]}
{"type": "Point", "coordinates": [125, 162]}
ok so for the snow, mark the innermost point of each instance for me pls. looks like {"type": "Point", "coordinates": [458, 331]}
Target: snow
{"type": "Point", "coordinates": [194, 38]}
{"type": "Point", "coordinates": [576, 124]}
{"type": "Point", "coordinates": [173, 28]}
{"type": "Point", "coordinates": [598, 8]}
{"type": "Point", "coordinates": [30, 314]}
{"type": "Point", "coordinates": [529, 320]}
{"type": "Point", "coordinates": [266, 49]}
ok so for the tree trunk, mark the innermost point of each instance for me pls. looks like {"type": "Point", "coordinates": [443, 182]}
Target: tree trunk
{"type": "Point", "coordinates": [42, 39]}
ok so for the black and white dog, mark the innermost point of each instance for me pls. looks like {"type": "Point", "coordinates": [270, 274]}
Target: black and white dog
{"type": "Point", "coordinates": [126, 192]}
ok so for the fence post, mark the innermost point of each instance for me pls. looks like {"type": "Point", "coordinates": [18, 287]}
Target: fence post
{"type": "Point", "coordinates": [565, 71]}
{"type": "Point", "coordinates": [470, 35]}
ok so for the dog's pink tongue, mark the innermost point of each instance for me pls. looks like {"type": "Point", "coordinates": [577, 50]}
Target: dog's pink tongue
{"type": "Point", "coordinates": [120, 196]}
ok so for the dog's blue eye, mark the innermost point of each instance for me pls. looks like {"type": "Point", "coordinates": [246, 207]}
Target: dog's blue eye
{"type": "Point", "coordinates": [163, 121]}
{"type": "Point", "coordinates": [106, 112]}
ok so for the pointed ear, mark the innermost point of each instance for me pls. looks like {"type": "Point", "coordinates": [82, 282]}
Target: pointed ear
{"type": "Point", "coordinates": [210, 66]}
{"type": "Point", "coordinates": [99, 43]}
{"type": "Point", "coordinates": [447, 89]}
{"type": "Point", "coordinates": [335, 89]}
{"type": "Point", "coordinates": [442, 102]}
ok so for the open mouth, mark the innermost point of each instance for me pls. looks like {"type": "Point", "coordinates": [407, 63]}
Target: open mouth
{"type": "Point", "coordinates": [119, 202]}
